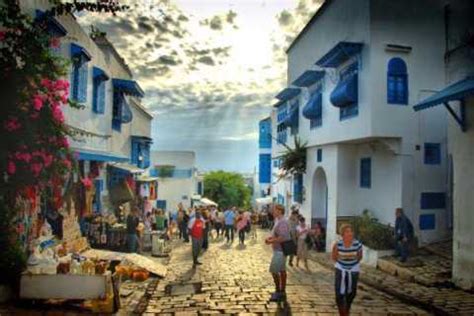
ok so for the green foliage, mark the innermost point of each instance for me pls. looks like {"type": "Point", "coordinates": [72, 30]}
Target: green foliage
{"type": "Point", "coordinates": [294, 159]}
{"type": "Point", "coordinates": [372, 233]}
{"type": "Point", "coordinates": [227, 189]}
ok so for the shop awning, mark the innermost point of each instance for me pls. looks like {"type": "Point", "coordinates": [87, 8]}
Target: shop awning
{"type": "Point", "coordinates": [142, 139]}
{"type": "Point", "coordinates": [208, 202]}
{"type": "Point", "coordinates": [147, 179]}
{"type": "Point", "coordinates": [308, 78]}
{"type": "Point", "coordinates": [455, 92]}
{"type": "Point", "coordinates": [313, 109]}
{"type": "Point", "coordinates": [458, 91]}
{"type": "Point", "coordinates": [288, 93]}
{"type": "Point", "coordinates": [129, 87]}
{"type": "Point", "coordinates": [54, 27]}
{"type": "Point", "coordinates": [346, 92]}
{"type": "Point", "coordinates": [99, 74]}
{"type": "Point", "coordinates": [339, 54]}
{"type": "Point", "coordinates": [127, 167]}
{"type": "Point", "coordinates": [78, 51]}
{"type": "Point", "coordinates": [264, 201]}
{"type": "Point", "coordinates": [99, 156]}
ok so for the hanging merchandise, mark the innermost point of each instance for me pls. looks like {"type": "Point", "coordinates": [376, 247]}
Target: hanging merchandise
{"type": "Point", "coordinates": [153, 190]}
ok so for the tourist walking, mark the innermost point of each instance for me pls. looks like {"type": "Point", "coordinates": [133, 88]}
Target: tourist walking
{"type": "Point", "coordinates": [319, 237]}
{"type": "Point", "coordinates": [242, 224]}
{"type": "Point", "coordinates": [132, 230]}
{"type": "Point", "coordinates": [207, 221]}
{"type": "Point", "coordinates": [304, 241]}
{"type": "Point", "coordinates": [403, 234]}
{"type": "Point", "coordinates": [229, 221]}
{"type": "Point", "coordinates": [347, 253]}
{"type": "Point", "coordinates": [280, 233]}
{"type": "Point", "coordinates": [293, 222]}
{"type": "Point", "coordinates": [219, 223]}
{"type": "Point", "coordinates": [196, 228]}
{"type": "Point", "coordinates": [160, 220]}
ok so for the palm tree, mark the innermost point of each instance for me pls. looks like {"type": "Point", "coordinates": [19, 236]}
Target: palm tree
{"type": "Point", "coordinates": [294, 159]}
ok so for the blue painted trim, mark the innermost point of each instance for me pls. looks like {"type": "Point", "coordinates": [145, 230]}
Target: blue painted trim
{"type": "Point", "coordinates": [432, 153]}
{"type": "Point", "coordinates": [455, 92]}
{"type": "Point", "coordinates": [432, 200]}
{"type": "Point", "coordinates": [339, 54]}
{"type": "Point", "coordinates": [288, 93]}
{"type": "Point", "coordinates": [308, 78]}
{"type": "Point", "coordinates": [79, 51]}
{"type": "Point", "coordinates": [366, 173]}
{"type": "Point", "coordinates": [129, 87]}
{"type": "Point", "coordinates": [319, 155]}
{"type": "Point", "coordinates": [54, 27]}
{"type": "Point", "coordinates": [427, 222]}
{"type": "Point", "coordinates": [97, 156]}
{"type": "Point", "coordinates": [100, 74]}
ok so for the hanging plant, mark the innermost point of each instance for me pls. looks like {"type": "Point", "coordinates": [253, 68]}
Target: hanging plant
{"type": "Point", "coordinates": [294, 159]}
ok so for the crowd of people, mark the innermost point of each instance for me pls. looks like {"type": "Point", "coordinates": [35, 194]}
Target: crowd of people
{"type": "Point", "coordinates": [291, 236]}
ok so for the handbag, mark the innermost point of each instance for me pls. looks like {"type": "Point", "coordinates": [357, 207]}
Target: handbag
{"type": "Point", "coordinates": [288, 247]}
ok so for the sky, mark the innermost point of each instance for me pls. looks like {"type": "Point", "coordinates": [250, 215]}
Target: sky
{"type": "Point", "coordinates": [210, 69]}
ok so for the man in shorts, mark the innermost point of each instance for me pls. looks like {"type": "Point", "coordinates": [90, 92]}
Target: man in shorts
{"type": "Point", "coordinates": [280, 233]}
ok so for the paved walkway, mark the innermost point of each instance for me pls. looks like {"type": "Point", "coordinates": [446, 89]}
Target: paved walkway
{"type": "Point", "coordinates": [235, 280]}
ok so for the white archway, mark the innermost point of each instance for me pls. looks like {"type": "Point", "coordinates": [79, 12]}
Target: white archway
{"type": "Point", "coordinates": [319, 198]}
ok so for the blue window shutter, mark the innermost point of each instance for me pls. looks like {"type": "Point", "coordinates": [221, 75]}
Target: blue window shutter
{"type": "Point", "coordinates": [365, 172]}
{"type": "Point", "coordinates": [117, 112]}
{"type": "Point", "coordinates": [319, 155]}
{"type": "Point", "coordinates": [98, 96]}
{"type": "Point", "coordinates": [82, 84]}
{"type": "Point", "coordinates": [432, 153]}
{"type": "Point", "coordinates": [298, 188]}
{"type": "Point", "coordinates": [427, 221]}
{"type": "Point", "coordinates": [134, 153]}
{"type": "Point", "coordinates": [433, 200]}
{"type": "Point", "coordinates": [264, 173]}
{"type": "Point", "coordinates": [397, 82]}
{"type": "Point", "coordinates": [75, 81]}
{"type": "Point", "coordinates": [99, 187]}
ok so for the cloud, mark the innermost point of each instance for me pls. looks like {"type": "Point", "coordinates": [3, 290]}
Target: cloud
{"type": "Point", "coordinates": [206, 60]}
{"type": "Point", "coordinates": [285, 18]}
{"type": "Point", "coordinates": [168, 60]}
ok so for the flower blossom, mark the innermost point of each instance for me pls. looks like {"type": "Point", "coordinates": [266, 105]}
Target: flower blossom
{"type": "Point", "coordinates": [11, 168]}
{"type": "Point", "coordinates": [55, 42]}
{"type": "Point", "coordinates": [58, 114]}
{"type": "Point", "coordinates": [36, 169]}
{"type": "Point", "coordinates": [12, 124]}
{"type": "Point", "coordinates": [38, 102]}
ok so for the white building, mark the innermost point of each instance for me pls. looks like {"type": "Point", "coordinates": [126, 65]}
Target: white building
{"type": "Point", "coordinates": [353, 71]}
{"type": "Point", "coordinates": [113, 128]}
{"type": "Point", "coordinates": [457, 98]}
{"type": "Point", "coordinates": [178, 178]}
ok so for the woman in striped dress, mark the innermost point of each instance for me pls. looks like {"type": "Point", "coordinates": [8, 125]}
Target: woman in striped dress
{"type": "Point", "coordinates": [347, 253]}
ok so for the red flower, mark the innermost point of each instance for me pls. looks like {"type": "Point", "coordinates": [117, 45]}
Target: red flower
{"type": "Point", "coordinates": [2, 35]}
{"type": "Point", "coordinates": [58, 114]}
{"type": "Point", "coordinates": [12, 124]}
{"type": "Point", "coordinates": [11, 168]}
{"type": "Point", "coordinates": [38, 102]}
{"type": "Point", "coordinates": [36, 168]}
{"type": "Point", "coordinates": [86, 182]}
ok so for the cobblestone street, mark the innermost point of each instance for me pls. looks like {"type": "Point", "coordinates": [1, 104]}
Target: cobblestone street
{"type": "Point", "coordinates": [236, 280]}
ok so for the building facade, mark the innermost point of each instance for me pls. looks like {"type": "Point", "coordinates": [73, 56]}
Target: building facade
{"type": "Point", "coordinates": [112, 130]}
{"type": "Point", "coordinates": [456, 98]}
{"type": "Point", "coordinates": [178, 179]}
{"type": "Point", "coordinates": [264, 157]}
{"type": "Point", "coordinates": [353, 71]}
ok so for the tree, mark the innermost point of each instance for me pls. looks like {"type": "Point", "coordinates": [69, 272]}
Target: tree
{"type": "Point", "coordinates": [294, 159]}
{"type": "Point", "coordinates": [227, 189]}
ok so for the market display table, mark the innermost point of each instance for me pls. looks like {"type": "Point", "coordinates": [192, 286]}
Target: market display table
{"type": "Point", "coordinates": [65, 286]}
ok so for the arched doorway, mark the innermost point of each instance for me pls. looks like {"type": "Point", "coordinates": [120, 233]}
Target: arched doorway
{"type": "Point", "coordinates": [319, 198]}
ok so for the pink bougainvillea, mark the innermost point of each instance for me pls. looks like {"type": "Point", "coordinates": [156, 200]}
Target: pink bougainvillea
{"type": "Point", "coordinates": [38, 102]}
{"type": "Point", "coordinates": [11, 168]}
{"type": "Point", "coordinates": [58, 114]}
{"type": "Point", "coordinates": [55, 42]}
{"type": "Point", "coordinates": [12, 124]}
{"type": "Point", "coordinates": [36, 169]}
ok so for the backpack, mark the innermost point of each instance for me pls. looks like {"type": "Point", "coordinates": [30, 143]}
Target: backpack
{"type": "Point", "coordinates": [198, 229]}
